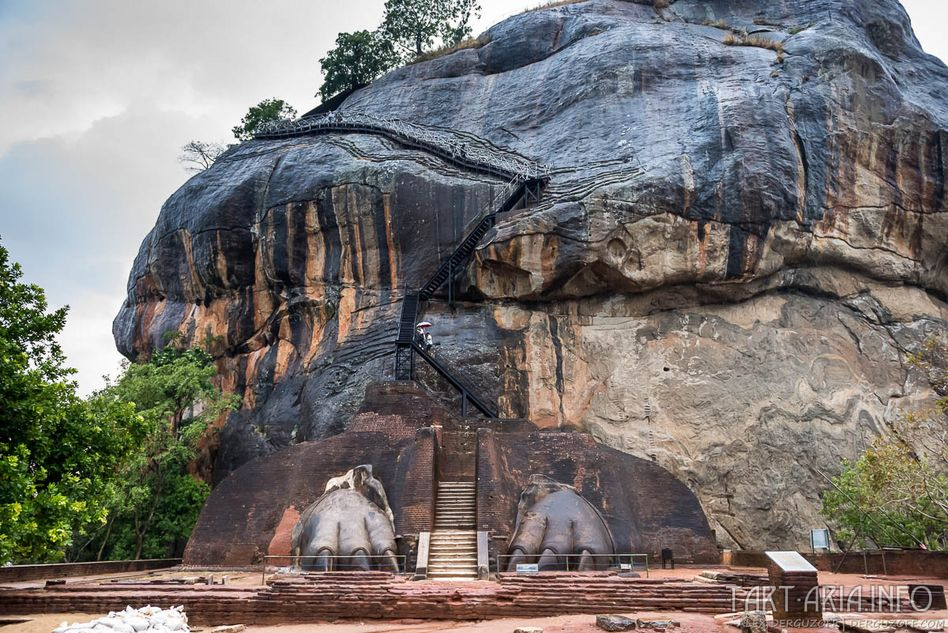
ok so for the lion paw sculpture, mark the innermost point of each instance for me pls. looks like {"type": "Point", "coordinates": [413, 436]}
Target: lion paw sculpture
{"type": "Point", "coordinates": [558, 529]}
{"type": "Point", "coordinates": [350, 527]}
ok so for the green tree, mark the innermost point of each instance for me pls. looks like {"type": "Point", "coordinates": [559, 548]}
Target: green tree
{"type": "Point", "coordinates": [414, 26]}
{"type": "Point", "coordinates": [896, 493]}
{"type": "Point", "coordinates": [357, 59]}
{"type": "Point", "coordinates": [57, 460]}
{"type": "Point", "coordinates": [889, 496]}
{"type": "Point", "coordinates": [157, 501]}
{"type": "Point", "coordinates": [266, 110]}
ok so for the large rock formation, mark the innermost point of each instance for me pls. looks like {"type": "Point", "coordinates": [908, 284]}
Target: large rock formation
{"type": "Point", "coordinates": [736, 250]}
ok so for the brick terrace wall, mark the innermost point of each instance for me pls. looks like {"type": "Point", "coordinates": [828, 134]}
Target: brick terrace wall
{"type": "Point", "coordinates": [498, 493]}
{"type": "Point", "coordinates": [20, 573]}
{"type": "Point", "coordinates": [391, 431]}
{"type": "Point", "coordinates": [646, 507]}
{"type": "Point", "coordinates": [241, 516]}
{"type": "Point", "coordinates": [312, 598]}
{"type": "Point", "coordinates": [417, 468]}
{"type": "Point", "coordinates": [897, 563]}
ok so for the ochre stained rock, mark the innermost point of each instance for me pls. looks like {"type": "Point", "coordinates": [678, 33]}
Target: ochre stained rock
{"type": "Point", "coordinates": [735, 253]}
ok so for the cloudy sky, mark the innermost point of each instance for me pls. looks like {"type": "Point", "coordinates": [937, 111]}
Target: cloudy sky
{"type": "Point", "coordinates": [97, 97]}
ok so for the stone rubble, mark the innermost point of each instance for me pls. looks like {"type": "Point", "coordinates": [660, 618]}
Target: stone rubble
{"type": "Point", "coordinates": [615, 623]}
{"type": "Point", "coordinates": [145, 620]}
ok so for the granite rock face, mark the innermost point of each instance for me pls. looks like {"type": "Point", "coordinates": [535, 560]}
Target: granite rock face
{"type": "Point", "coordinates": [736, 249]}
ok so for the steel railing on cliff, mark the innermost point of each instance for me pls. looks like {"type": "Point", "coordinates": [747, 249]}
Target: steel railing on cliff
{"type": "Point", "coordinates": [462, 149]}
{"type": "Point", "coordinates": [519, 174]}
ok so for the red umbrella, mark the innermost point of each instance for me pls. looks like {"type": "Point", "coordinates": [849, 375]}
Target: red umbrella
{"type": "Point", "coordinates": [424, 324]}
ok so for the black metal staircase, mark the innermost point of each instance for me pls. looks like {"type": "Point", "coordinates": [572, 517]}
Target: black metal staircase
{"type": "Point", "coordinates": [467, 393]}
{"type": "Point", "coordinates": [526, 191]}
{"type": "Point", "coordinates": [520, 192]}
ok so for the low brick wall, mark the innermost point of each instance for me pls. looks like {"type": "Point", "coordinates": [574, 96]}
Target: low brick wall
{"type": "Point", "coordinates": [877, 563]}
{"type": "Point", "coordinates": [314, 598]}
{"type": "Point", "coordinates": [20, 573]}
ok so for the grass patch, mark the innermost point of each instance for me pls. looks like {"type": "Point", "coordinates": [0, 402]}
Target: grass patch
{"type": "Point", "coordinates": [471, 42]}
{"type": "Point", "coordinates": [736, 39]}
{"type": "Point", "coordinates": [718, 24]}
{"type": "Point", "coordinates": [661, 4]}
{"type": "Point", "coordinates": [551, 4]}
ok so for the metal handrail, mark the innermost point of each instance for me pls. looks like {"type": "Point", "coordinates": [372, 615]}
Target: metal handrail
{"type": "Point", "coordinates": [467, 393]}
{"type": "Point", "coordinates": [616, 561]}
{"type": "Point", "coordinates": [294, 561]}
{"type": "Point", "coordinates": [442, 141]}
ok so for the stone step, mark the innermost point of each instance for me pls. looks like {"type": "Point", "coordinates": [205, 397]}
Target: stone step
{"type": "Point", "coordinates": [454, 547]}
{"type": "Point", "coordinates": [454, 516]}
{"type": "Point", "coordinates": [466, 518]}
{"type": "Point", "coordinates": [452, 566]}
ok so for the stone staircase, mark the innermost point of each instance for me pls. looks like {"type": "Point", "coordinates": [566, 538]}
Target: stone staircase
{"type": "Point", "coordinates": [453, 553]}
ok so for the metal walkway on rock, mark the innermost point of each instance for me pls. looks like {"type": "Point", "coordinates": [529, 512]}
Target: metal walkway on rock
{"type": "Point", "coordinates": [464, 150]}
{"type": "Point", "coordinates": [525, 190]}
{"type": "Point", "coordinates": [525, 182]}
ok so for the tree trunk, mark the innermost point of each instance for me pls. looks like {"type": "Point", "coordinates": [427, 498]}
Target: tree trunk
{"type": "Point", "coordinates": [105, 539]}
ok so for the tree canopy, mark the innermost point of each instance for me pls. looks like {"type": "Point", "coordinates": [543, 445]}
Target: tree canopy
{"type": "Point", "coordinates": [414, 26]}
{"type": "Point", "coordinates": [357, 59]}
{"type": "Point", "coordinates": [896, 493]}
{"type": "Point", "coordinates": [107, 476]}
{"type": "Point", "coordinates": [409, 28]}
{"type": "Point", "coordinates": [156, 501]}
{"type": "Point", "coordinates": [57, 459]}
{"type": "Point", "coordinates": [266, 110]}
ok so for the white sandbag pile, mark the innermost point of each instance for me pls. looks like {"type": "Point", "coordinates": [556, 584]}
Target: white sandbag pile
{"type": "Point", "coordinates": [145, 620]}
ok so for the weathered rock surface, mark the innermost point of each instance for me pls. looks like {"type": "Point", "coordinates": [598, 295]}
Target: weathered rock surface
{"type": "Point", "coordinates": [732, 258]}
{"type": "Point", "coordinates": [615, 623]}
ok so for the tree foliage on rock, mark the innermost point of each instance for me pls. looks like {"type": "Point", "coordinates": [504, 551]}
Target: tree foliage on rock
{"type": "Point", "coordinates": [156, 501]}
{"type": "Point", "coordinates": [414, 26]}
{"type": "Point", "coordinates": [265, 111]}
{"type": "Point", "coordinates": [409, 29]}
{"type": "Point", "coordinates": [357, 59]}
{"type": "Point", "coordinates": [57, 459]}
{"type": "Point", "coordinates": [896, 493]}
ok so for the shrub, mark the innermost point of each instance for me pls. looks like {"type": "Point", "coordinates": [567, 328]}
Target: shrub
{"type": "Point", "coordinates": [471, 42]}
{"type": "Point", "coordinates": [733, 39]}
{"type": "Point", "coordinates": [551, 4]}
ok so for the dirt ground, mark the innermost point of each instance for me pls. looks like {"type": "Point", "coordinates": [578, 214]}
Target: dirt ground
{"type": "Point", "coordinates": [690, 623]}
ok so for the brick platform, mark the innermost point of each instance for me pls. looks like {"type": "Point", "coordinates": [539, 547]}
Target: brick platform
{"type": "Point", "coordinates": [318, 597]}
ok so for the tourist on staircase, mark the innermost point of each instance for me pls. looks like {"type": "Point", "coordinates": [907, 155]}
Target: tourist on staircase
{"type": "Point", "coordinates": [423, 335]}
